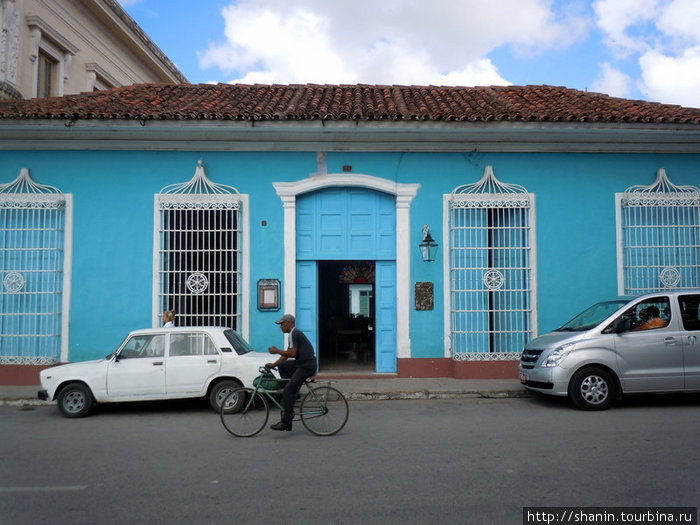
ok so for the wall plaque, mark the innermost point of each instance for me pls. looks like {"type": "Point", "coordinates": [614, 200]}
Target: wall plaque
{"type": "Point", "coordinates": [424, 296]}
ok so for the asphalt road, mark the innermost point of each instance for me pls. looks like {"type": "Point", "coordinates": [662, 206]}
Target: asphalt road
{"type": "Point", "coordinates": [441, 461]}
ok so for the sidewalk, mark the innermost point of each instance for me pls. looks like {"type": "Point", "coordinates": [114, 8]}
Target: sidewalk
{"type": "Point", "coordinates": [357, 389]}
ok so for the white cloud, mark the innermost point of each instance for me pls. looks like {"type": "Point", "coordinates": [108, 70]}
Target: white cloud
{"type": "Point", "coordinates": [663, 36]}
{"type": "Point", "coordinates": [674, 80]}
{"type": "Point", "coordinates": [612, 82]}
{"type": "Point", "coordinates": [679, 20]}
{"type": "Point", "coordinates": [273, 47]}
{"type": "Point", "coordinates": [616, 18]}
{"type": "Point", "coordinates": [382, 42]}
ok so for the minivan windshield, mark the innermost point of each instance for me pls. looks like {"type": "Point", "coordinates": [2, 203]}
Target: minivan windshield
{"type": "Point", "coordinates": [593, 316]}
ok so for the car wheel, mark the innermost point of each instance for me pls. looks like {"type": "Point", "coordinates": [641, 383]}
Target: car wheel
{"type": "Point", "coordinates": [75, 400]}
{"type": "Point", "coordinates": [219, 393]}
{"type": "Point", "coordinates": [592, 389]}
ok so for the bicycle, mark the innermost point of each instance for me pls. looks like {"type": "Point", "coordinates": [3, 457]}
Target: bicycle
{"type": "Point", "coordinates": [323, 409]}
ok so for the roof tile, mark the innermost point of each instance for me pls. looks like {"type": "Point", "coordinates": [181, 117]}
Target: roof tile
{"type": "Point", "coordinates": [348, 102]}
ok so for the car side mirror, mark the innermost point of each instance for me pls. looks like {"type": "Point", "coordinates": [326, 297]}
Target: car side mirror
{"type": "Point", "coordinates": [619, 325]}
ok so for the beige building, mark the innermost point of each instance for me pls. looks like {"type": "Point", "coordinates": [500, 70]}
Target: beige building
{"type": "Point", "coordinates": [62, 47]}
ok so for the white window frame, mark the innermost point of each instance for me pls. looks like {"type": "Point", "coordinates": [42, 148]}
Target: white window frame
{"type": "Point", "coordinates": [26, 194]}
{"type": "Point", "coordinates": [670, 271]}
{"type": "Point", "coordinates": [491, 190]}
{"type": "Point", "coordinates": [44, 39]}
{"type": "Point", "coordinates": [201, 190]}
{"type": "Point", "coordinates": [98, 78]}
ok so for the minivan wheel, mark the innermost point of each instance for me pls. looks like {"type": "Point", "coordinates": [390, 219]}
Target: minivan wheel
{"type": "Point", "coordinates": [592, 389]}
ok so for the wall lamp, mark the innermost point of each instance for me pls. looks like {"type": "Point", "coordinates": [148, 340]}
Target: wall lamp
{"type": "Point", "coordinates": [428, 246]}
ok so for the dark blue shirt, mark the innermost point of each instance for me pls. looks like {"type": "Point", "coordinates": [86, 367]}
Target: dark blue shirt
{"type": "Point", "coordinates": [305, 357]}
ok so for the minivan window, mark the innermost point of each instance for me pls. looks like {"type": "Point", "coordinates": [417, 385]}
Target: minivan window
{"type": "Point", "coordinates": [649, 314]}
{"type": "Point", "coordinates": [593, 316]}
{"type": "Point", "coordinates": [690, 312]}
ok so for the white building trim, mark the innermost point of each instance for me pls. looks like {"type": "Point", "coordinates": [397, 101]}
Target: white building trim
{"type": "Point", "coordinates": [196, 135]}
{"type": "Point", "coordinates": [404, 194]}
{"type": "Point", "coordinates": [67, 276]}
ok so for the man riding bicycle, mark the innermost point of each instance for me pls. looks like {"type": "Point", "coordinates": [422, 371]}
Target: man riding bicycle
{"type": "Point", "coordinates": [297, 363]}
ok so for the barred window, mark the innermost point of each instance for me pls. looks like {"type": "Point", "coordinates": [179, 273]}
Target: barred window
{"type": "Point", "coordinates": [658, 237]}
{"type": "Point", "coordinates": [490, 265]}
{"type": "Point", "coordinates": [200, 253]}
{"type": "Point", "coordinates": [32, 268]}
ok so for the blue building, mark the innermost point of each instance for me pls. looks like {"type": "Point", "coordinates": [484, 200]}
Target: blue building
{"type": "Point", "coordinates": [417, 231]}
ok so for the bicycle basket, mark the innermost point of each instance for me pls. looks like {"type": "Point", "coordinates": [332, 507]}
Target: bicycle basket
{"type": "Point", "coordinates": [268, 382]}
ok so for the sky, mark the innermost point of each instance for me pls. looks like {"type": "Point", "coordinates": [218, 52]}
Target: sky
{"type": "Point", "coordinates": [636, 49]}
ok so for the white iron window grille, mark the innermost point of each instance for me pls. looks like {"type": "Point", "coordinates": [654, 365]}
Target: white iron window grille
{"type": "Point", "coordinates": [658, 237]}
{"type": "Point", "coordinates": [491, 250]}
{"type": "Point", "coordinates": [199, 253]}
{"type": "Point", "coordinates": [32, 243]}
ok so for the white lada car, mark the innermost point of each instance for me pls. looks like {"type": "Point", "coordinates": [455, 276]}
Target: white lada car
{"type": "Point", "coordinates": [154, 364]}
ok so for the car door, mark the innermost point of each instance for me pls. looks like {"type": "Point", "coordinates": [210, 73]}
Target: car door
{"type": "Point", "coordinates": [689, 306]}
{"type": "Point", "coordinates": [649, 353]}
{"type": "Point", "coordinates": [138, 370]}
{"type": "Point", "coordinates": [192, 361]}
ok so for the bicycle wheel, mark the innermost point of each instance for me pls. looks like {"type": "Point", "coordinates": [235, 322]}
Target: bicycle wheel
{"type": "Point", "coordinates": [250, 418]}
{"type": "Point", "coordinates": [324, 411]}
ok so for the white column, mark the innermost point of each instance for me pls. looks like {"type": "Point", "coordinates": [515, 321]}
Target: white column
{"type": "Point", "coordinates": [403, 275]}
{"type": "Point", "coordinates": [289, 203]}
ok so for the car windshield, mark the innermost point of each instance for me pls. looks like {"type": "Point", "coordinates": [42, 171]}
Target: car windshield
{"type": "Point", "coordinates": [239, 344]}
{"type": "Point", "coordinates": [592, 316]}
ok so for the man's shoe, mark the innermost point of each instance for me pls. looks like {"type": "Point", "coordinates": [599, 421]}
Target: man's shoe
{"type": "Point", "coordinates": [281, 426]}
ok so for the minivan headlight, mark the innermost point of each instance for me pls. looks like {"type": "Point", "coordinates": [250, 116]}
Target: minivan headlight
{"type": "Point", "coordinates": [555, 357]}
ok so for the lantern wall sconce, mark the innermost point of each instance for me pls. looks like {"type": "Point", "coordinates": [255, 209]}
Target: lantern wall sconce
{"type": "Point", "coordinates": [428, 247]}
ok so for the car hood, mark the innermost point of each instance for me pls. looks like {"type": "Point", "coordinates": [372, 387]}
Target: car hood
{"type": "Point", "coordinates": [257, 357]}
{"type": "Point", "coordinates": [554, 339]}
{"type": "Point", "coordinates": [72, 368]}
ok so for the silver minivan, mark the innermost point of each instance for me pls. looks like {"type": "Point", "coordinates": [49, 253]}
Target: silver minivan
{"type": "Point", "coordinates": [645, 344]}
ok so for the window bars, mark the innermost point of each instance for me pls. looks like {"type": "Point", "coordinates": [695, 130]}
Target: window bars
{"type": "Point", "coordinates": [490, 267]}
{"type": "Point", "coordinates": [199, 252]}
{"type": "Point", "coordinates": [659, 240]}
{"type": "Point", "coordinates": [32, 240]}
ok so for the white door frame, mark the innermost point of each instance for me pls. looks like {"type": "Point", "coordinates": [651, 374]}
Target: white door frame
{"type": "Point", "coordinates": [404, 193]}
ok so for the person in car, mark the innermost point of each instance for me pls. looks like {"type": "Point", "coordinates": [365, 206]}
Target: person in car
{"type": "Point", "coordinates": [297, 363]}
{"type": "Point", "coordinates": [651, 319]}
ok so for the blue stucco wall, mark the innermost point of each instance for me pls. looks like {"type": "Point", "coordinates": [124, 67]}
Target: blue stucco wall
{"type": "Point", "coordinates": [113, 224]}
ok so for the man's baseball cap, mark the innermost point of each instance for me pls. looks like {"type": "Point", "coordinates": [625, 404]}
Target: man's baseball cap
{"type": "Point", "coordinates": [286, 317]}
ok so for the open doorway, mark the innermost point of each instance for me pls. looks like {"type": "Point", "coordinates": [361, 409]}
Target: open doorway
{"type": "Point", "coordinates": [346, 316]}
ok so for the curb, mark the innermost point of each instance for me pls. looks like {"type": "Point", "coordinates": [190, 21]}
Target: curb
{"type": "Point", "coordinates": [387, 396]}
{"type": "Point", "coordinates": [352, 396]}
{"type": "Point", "coordinates": [25, 402]}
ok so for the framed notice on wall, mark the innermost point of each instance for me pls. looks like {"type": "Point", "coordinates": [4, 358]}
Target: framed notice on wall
{"type": "Point", "coordinates": [268, 294]}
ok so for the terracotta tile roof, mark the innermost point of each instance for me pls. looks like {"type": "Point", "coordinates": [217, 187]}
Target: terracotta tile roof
{"type": "Point", "coordinates": [349, 102]}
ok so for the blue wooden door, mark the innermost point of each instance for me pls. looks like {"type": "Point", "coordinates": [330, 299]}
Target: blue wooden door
{"type": "Point", "coordinates": [385, 311]}
{"type": "Point", "coordinates": [307, 300]}
{"type": "Point", "coordinates": [348, 224]}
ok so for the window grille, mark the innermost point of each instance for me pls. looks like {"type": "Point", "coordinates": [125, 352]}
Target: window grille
{"type": "Point", "coordinates": [200, 253]}
{"type": "Point", "coordinates": [32, 240]}
{"type": "Point", "coordinates": [490, 266]}
{"type": "Point", "coordinates": [659, 237]}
